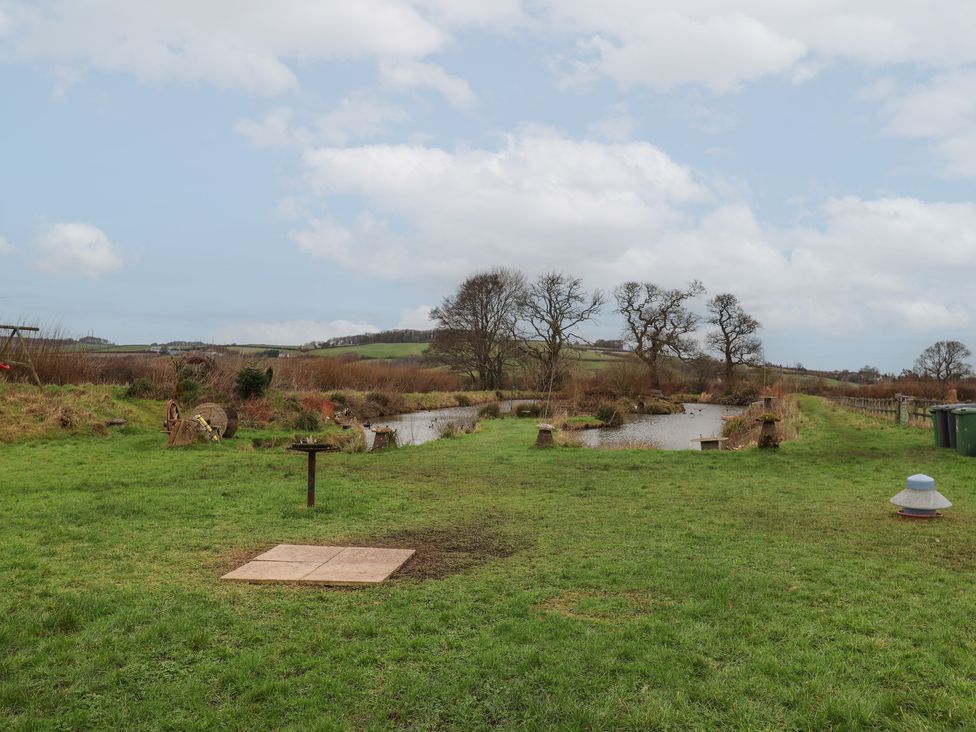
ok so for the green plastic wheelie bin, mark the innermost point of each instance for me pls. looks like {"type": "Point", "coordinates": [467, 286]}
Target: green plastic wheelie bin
{"type": "Point", "coordinates": [940, 424]}
{"type": "Point", "coordinates": [965, 430]}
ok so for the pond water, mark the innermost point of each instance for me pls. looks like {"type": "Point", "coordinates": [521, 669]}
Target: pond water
{"type": "Point", "coordinates": [664, 431]}
{"type": "Point", "coordinates": [416, 428]}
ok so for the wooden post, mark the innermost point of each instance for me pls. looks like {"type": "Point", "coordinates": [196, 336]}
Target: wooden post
{"type": "Point", "coordinates": [311, 479]}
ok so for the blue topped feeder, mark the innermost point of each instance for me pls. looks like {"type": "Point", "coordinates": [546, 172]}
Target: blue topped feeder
{"type": "Point", "coordinates": [920, 499]}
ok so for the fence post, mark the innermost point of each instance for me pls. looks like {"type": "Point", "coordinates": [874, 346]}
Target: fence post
{"type": "Point", "coordinates": [907, 406]}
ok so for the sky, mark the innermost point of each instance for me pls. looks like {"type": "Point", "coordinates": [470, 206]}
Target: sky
{"type": "Point", "coordinates": [280, 172]}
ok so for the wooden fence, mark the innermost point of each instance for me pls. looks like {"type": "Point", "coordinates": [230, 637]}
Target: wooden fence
{"type": "Point", "coordinates": [900, 409]}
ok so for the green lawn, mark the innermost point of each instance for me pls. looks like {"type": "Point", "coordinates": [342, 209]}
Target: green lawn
{"type": "Point", "coordinates": [558, 589]}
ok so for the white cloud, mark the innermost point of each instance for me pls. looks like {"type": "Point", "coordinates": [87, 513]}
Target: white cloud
{"type": "Point", "coordinates": [614, 211]}
{"type": "Point", "coordinates": [76, 249]}
{"type": "Point", "coordinates": [942, 111]}
{"type": "Point", "coordinates": [417, 318]}
{"type": "Point", "coordinates": [540, 196]}
{"type": "Point", "coordinates": [495, 14]}
{"type": "Point", "coordinates": [702, 116]}
{"type": "Point", "coordinates": [258, 46]}
{"type": "Point", "coordinates": [360, 115]}
{"type": "Point", "coordinates": [617, 126]}
{"type": "Point", "coordinates": [274, 129]}
{"type": "Point", "coordinates": [243, 44]}
{"type": "Point", "coordinates": [64, 77]}
{"type": "Point", "coordinates": [289, 332]}
{"type": "Point", "coordinates": [668, 50]}
{"type": "Point", "coordinates": [5, 246]}
{"type": "Point", "coordinates": [409, 75]}
{"type": "Point", "coordinates": [720, 46]}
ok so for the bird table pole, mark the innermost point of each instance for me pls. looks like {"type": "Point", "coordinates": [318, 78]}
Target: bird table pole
{"type": "Point", "coordinates": [311, 478]}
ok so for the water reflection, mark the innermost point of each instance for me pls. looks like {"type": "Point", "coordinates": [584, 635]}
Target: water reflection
{"type": "Point", "coordinates": [664, 431]}
{"type": "Point", "coordinates": [416, 428]}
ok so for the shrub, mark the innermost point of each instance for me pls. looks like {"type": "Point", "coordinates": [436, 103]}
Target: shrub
{"type": "Point", "coordinates": [490, 411]}
{"type": "Point", "coordinates": [187, 391]}
{"type": "Point", "coordinates": [141, 388]}
{"type": "Point", "coordinates": [256, 413]}
{"type": "Point", "coordinates": [379, 398]}
{"type": "Point", "coordinates": [253, 382]}
{"type": "Point", "coordinates": [741, 397]}
{"type": "Point", "coordinates": [609, 415]}
{"type": "Point", "coordinates": [307, 421]}
{"type": "Point", "coordinates": [450, 430]}
{"type": "Point", "coordinates": [383, 403]}
{"type": "Point", "coordinates": [463, 400]}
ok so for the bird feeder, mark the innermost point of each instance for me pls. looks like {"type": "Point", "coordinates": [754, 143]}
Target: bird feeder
{"type": "Point", "coordinates": [383, 437]}
{"type": "Point", "coordinates": [767, 432]}
{"type": "Point", "coordinates": [920, 499]}
{"type": "Point", "coordinates": [311, 447]}
{"type": "Point", "coordinates": [544, 439]}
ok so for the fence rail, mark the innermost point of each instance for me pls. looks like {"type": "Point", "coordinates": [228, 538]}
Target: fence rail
{"type": "Point", "coordinates": [901, 409]}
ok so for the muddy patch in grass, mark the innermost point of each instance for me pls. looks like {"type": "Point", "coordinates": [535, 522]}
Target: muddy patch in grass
{"type": "Point", "coordinates": [442, 551]}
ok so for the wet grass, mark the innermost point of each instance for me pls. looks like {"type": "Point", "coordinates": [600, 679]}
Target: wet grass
{"type": "Point", "coordinates": [564, 588]}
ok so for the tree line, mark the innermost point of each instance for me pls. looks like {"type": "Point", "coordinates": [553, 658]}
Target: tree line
{"type": "Point", "coordinates": [399, 335]}
{"type": "Point", "coordinates": [498, 318]}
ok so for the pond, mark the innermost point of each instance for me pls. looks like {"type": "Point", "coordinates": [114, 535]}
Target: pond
{"type": "Point", "coordinates": [416, 428]}
{"type": "Point", "coordinates": [664, 431]}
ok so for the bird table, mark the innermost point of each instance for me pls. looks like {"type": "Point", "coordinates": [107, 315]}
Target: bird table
{"type": "Point", "coordinates": [312, 449]}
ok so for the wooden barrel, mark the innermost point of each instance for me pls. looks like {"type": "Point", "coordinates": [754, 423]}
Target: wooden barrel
{"type": "Point", "coordinates": [222, 419]}
{"type": "Point", "coordinates": [231, 422]}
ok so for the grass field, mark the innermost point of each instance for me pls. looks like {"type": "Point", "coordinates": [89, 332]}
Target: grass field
{"type": "Point", "coordinates": [561, 589]}
{"type": "Point", "coordinates": [376, 350]}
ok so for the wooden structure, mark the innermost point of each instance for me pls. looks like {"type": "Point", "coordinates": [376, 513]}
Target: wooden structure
{"type": "Point", "coordinates": [767, 433]}
{"type": "Point", "coordinates": [711, 443]}
{"type": "Point", "coordinates": [16, 336]}
{"type": "Point", "coordinates": [383, 438]}
{"type": "Point", "coordinates": [222, 420]}
{"type": "Point", "coordinates": [902, 409]}
{"type": "Point", "coordinates": [544, 438]}
{"type": "Point", "coordinates": [312, 449]}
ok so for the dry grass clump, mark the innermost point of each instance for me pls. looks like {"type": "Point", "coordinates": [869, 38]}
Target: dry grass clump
{"type": "Point", "coordinates": [568, 438]}
{"type": "Point", "coordinates": [317, 373]}
{"type": "Point", "coordinates": [29, 412]}
{"type": "Point", "coordinates": [744, 430]}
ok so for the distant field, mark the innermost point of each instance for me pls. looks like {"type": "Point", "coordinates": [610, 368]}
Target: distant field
{"type": "Point", "coordinates": [134, 348]}
{"type": "Point", "coordinates": [591, 359]}
{"type": "Point", "coordinates": [805, 377]}
{"type": "Point", "coordinates": [375, 350]}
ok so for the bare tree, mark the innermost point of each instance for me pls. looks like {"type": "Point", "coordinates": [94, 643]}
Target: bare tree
{"type": "Point", "coordinates": [658, 322]}
{"type": "Point", "coordinates": [475, 326]}
{"type": "Point", "coordinates": [944, 361]}
{"type": "Point", "coordinates": [736, 337]}
{"type": "Point", "coordinates": [552, 308]}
